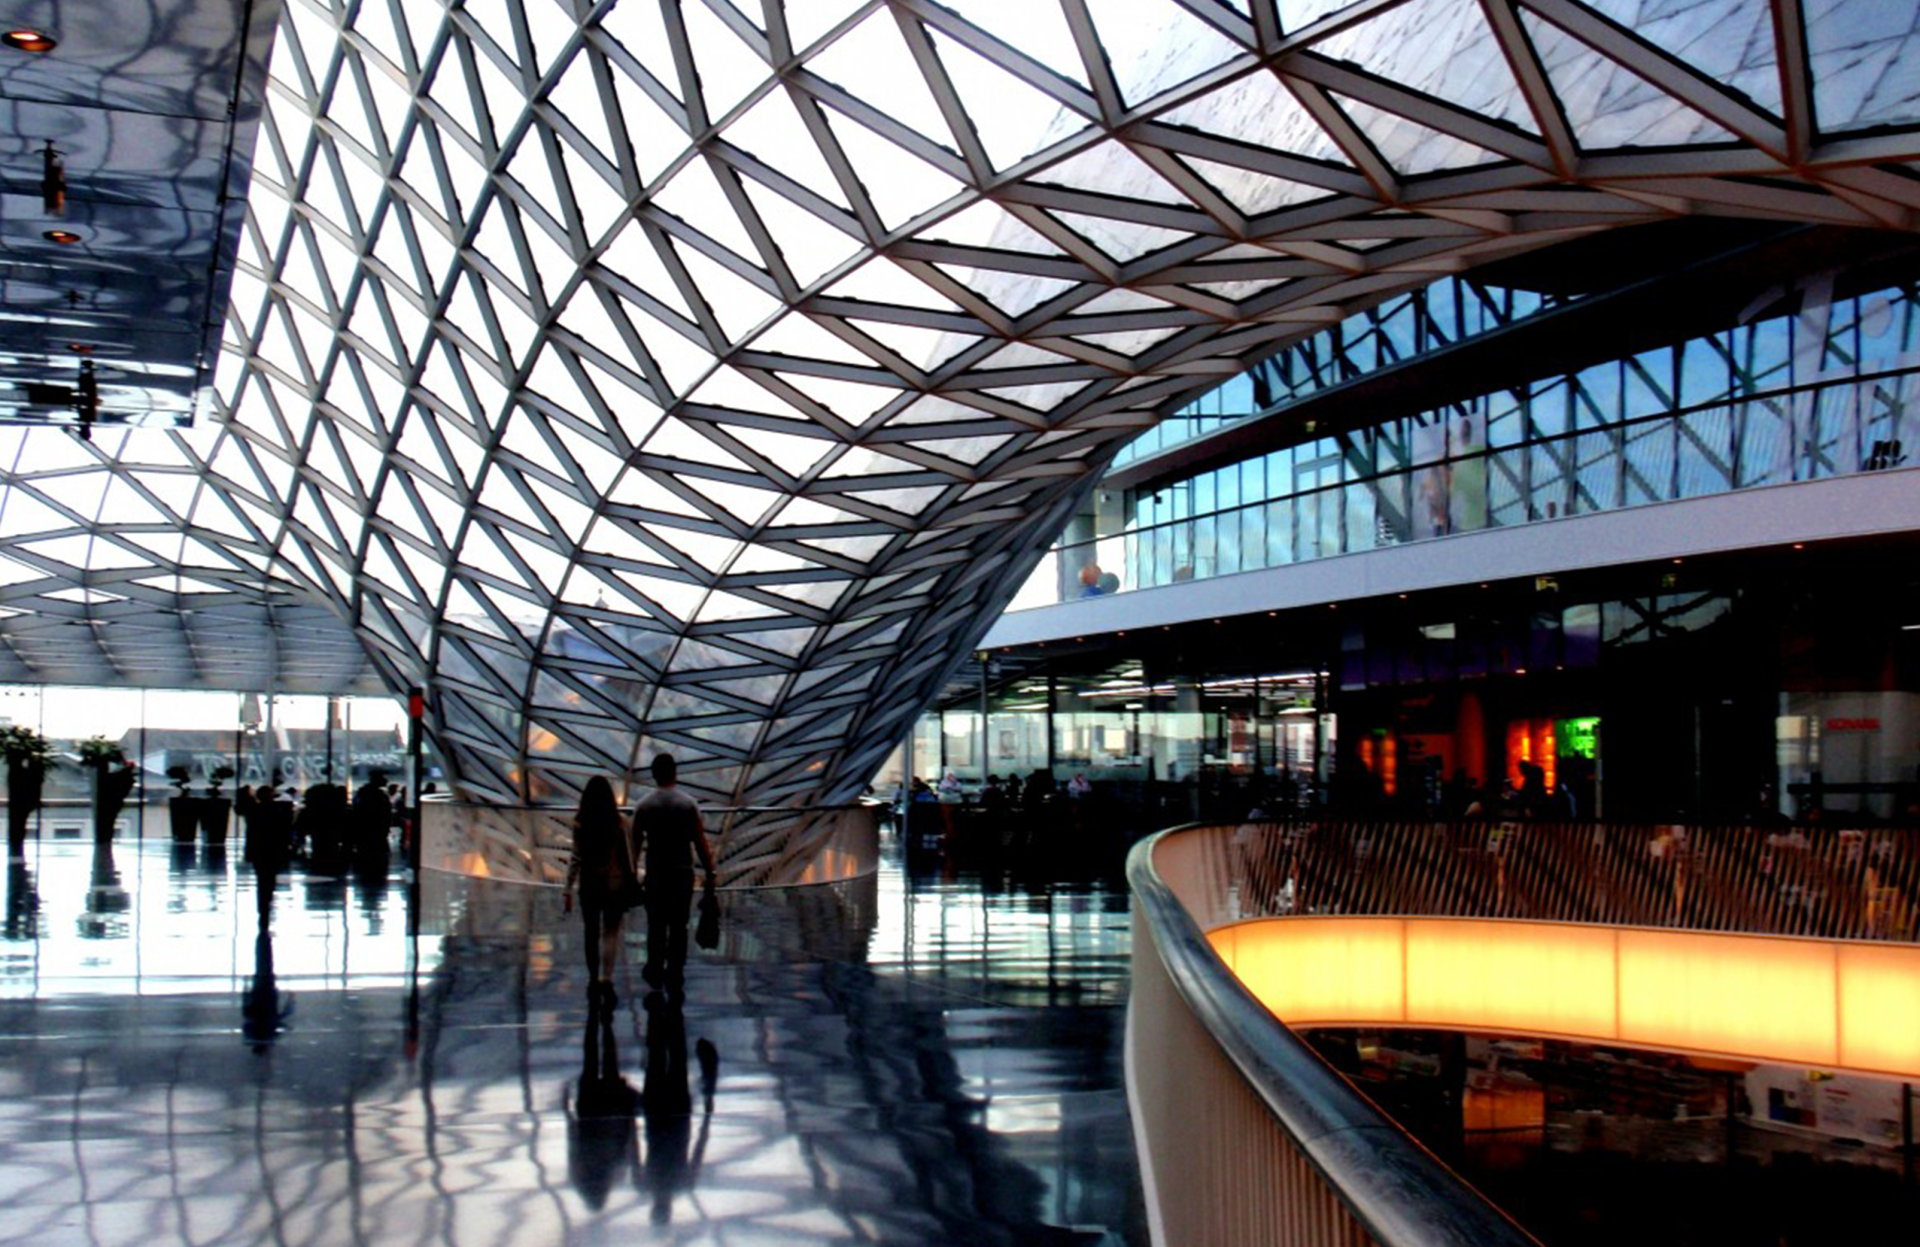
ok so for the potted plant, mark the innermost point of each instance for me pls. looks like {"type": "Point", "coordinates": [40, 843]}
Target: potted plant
{"type": "Point", "coordinates": [216, 811]}
{"type": "Point", "coordinates": [183, 810]}
{"type": "Point", "coordinates": [112, 782]}
{"type": "Point", "coordinates": [27, 756]}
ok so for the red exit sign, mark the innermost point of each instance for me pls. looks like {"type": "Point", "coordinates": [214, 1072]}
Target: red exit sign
{"type": "Point", "coordinates": [1853, 725]}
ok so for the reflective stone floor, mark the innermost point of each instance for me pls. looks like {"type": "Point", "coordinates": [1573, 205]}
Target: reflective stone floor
{"type": "Point", "coordinates": [930, 1056]}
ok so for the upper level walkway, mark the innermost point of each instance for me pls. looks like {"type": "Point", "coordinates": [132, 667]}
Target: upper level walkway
{"type": "Point", "coordinates": [1865, 504]}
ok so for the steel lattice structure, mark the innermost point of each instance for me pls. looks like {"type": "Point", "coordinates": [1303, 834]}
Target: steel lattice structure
{"type": "Point", "coordinates": [707, 376]}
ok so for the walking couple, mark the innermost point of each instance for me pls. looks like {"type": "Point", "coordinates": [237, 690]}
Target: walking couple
{"type": "Point", "coordinates": [666, 834]}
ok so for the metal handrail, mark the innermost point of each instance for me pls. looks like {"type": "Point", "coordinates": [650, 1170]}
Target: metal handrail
{"type": "Point", "coordinates": [1400, 1194]}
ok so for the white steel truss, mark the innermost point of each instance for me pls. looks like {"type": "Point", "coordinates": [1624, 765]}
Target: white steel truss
{"type": "Point", "coordinates": [706, 376]}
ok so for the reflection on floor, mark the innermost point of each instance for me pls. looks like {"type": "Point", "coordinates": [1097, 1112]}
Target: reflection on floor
{"type": "Point", "coordinates": [932, 1056]}
{"type": "Point", "coordinates": [1587, 1145]}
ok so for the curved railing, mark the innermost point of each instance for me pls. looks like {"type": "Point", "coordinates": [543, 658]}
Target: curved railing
{"type": "Point", "coordinates": [1246, 1136]}
{"type": "Point", "coordinates": [756, 846]}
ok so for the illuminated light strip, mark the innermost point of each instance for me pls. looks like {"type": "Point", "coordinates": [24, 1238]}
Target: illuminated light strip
{"type": "Point", "coordinates": [1832, 1004]}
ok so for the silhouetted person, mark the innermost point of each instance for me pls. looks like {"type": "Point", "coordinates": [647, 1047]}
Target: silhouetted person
{"type": "Point", "coordinates": [264, 1012]}
{"type": "Point", "coordinates": [993, 798]}
{"type": "Point", "coordinates": [245, 805]}
{"type": "Point", "coordinates": [673, 1157]}
{"type": "Point", "coordinates": [667, 826]}
{"type": "Point", "coordinates": [323, 823]}
{"type": "Point", "coordinates": [1038, 791]}
{"type": "Point", "coordinates": [600, 1134]}
{"type": "Point", "coordinates": [372, 815]}
{"type": "Point", "coordinates": [1533, 798]}
{"type": "Point", "coordinates": [269, 849]}
{"type": "Point", "coordinates": [602, 869]}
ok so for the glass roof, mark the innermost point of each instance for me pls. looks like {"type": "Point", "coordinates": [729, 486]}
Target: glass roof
{"type": "Point", "coordinates": [706, 376]}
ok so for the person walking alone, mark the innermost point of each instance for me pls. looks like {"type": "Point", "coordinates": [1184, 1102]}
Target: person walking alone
{"type": "Point", "coordinates": [667, 826]}
{"type": "Point", "coordinates": [602, 867]}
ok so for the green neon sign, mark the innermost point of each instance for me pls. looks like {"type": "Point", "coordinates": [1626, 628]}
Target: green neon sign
{"type": "Point", "coordinates": [1579, 738]}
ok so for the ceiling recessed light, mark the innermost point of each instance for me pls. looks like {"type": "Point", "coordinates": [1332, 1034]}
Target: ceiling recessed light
{"type": "Point", "coordinates": [65, 237]}
{"type": "Point", "coordinates": [27, 39]}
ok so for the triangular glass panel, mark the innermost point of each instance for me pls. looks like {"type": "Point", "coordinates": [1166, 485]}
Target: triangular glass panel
{"type": "Point", "coordinates": [873, 63]}
{"type": "Point", "coordinates": [1123, 240]}
{"type": "Point", "coordinates": [636, 488]}
{"type": "Point", "coordinates": [1043, 397]}
{"type": "Point", "coordinates": [1038, 30]}
{"type": "Point", "coordinates": [728, 69]}
{"type": "Point", "coordinates": [968, 450]}
{"type": "Point", "coordinates": [1022, 355]}
{"type": "Point", "coordinates": [923, 348]}
{"type": "Point", "coordinates": [657, 136]}
{"type": "Point", "coordinates": [1606, 104]}
{"type": "Point", "coordinates": [678, 440]}
{"type": "Point", "coordinates": [773, 133]}
{"type": "Point", "coordinates": [1110, 168]}
{"type": "Point", "coordinates": [987, 224]}
{"type": "Point", "coordinates": [643, 33]}
{"type": "Point", "coordinates": [899, 184]}
{"type": "Point", "coordinates": [810, 246]}
{"type": "Point", "coordinates": [881, 280]}
{"type": "Point", "coordinates": [739, 502]}
{"type": "Point", "coordinates": [1154, 45]}
{"type": "Point", "coordinates": [1257, 109]}
{"type": "Point", "coordinates": [801, 337]}
{"type": "Point", "coordinates": [631, 254]}
{"type": "Point", "coordinates": [860, 461]}
{"type": "Point", "coordinates": [852, 401]}
{"type": "Point", "coordinates": [1442, 48]}
{"type": "Point", "coordinates": [694, 195]}
{"type": "Point", "coordinates": [727, 387]}
{"type": "Point", "coordinates": [1013, 293]}
{"type": "Point", "coordinates": [1126, 341]}
{"type": "Point", "coordinates": [1410, 147]}
{"type": "Point", "coordinates": [1012, 119]}
{"type": "Point", "coordinates": [738, 304]}
{"type": "Point", "coordinates": [1253, 193]}
{"type": "Point", "coordinates": [931, 409]}
{"type": "Point", "coordinates": [1731, 42]}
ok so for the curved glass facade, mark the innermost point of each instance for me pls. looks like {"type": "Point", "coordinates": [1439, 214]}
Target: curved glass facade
{"type": "Point", "coordinates": [1821, 393]}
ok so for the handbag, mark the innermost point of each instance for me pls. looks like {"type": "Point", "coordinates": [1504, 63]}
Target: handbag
{"type": "Point", "coordinates": [706, 933]}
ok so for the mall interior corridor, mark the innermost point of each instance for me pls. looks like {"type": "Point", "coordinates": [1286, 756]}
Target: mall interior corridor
{"type": "Point", "coordinates": [930, 1055]}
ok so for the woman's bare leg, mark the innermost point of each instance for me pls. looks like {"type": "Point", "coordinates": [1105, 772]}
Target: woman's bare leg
{"type": "Point", "coordinates": [612, 925]}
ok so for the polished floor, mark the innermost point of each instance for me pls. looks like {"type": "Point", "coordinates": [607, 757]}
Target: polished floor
{"type": "Point", "coordinates": [929, 1056]}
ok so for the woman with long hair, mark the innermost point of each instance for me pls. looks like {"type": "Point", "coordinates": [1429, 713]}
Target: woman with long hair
{"type": "Point", "coordinates": [602, 869]}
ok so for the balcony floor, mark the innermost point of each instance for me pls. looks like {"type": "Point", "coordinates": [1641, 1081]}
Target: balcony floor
{"type": "Point", "coordinates": [929, 1056]}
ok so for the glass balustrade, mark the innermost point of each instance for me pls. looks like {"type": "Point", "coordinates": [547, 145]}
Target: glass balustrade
{"type": "Point", "coordinates": [1804, 433]}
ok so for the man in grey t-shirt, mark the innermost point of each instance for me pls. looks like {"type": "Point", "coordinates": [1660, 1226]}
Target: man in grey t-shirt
{"type": "Point", "coordinates": [667, 832]}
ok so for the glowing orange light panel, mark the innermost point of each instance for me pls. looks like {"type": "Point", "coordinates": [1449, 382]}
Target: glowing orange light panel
{"type": "Point", "coordinates": [1825, 1003]}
